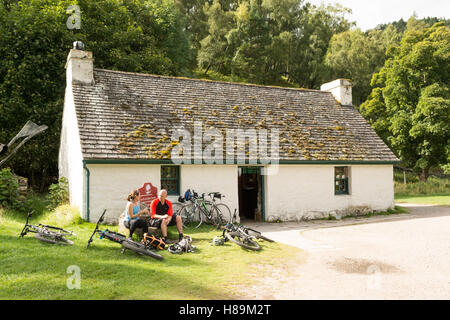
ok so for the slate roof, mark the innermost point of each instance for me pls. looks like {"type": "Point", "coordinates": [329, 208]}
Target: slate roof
{"type": "Point", "coordinates": [131, 116]}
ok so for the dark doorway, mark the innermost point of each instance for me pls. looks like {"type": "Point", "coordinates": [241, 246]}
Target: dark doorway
{"type": "Point", "coordinates": [250, 193]}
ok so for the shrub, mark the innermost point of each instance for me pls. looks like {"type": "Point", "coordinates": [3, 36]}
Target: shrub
{"type": "Point", "coordinates": [9, 191]}
{"type": "Point", "coordinates": [58, 193]}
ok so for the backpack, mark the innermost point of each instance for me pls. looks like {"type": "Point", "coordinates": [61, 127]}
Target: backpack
{"type": "Point", "coordinates": [151, 240]}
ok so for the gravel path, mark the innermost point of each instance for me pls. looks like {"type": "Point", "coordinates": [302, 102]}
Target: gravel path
{"type": "Point", "coordinates": [404, 256]}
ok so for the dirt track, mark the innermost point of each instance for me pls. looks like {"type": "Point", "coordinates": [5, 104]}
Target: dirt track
{"type": "Point", "coordinates": [404, 256]}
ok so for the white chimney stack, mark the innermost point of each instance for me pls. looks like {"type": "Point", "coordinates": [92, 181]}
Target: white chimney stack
{"type": "Point", "coordinates": [341, 90]}
{"type": "Point", "coordinates": [80, 65]}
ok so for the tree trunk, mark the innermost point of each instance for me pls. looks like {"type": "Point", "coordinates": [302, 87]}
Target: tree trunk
{"type": "Point", "coordinates": [423, 175]}
{"type": "Point", "coordinates": [207, 69]}
{"type": "Point", "coordinates": [43, 179]}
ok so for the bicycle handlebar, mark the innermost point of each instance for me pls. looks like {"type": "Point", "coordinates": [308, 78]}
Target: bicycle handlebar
{"type": "Point", "coordinates": [213, 195]}
{"type": "Point", "coordinates": [96, 228]}
{"type": "Point", "coordinates": [29, 215]}
{"type": "Point", "coordinates": [25, 229]}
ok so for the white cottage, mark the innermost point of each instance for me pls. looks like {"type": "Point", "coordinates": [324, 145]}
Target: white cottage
{"type": "Point", "coordinates": [118, 133]}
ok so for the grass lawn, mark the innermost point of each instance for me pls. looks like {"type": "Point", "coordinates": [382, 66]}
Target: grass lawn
{"type": "Point", "coordinates": [438, 199]}
{"type": "Point", "coordinates": [30, 269]}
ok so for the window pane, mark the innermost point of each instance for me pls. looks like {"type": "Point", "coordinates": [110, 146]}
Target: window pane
{"type": "Point", "coordinates": [170, 179]}
{"type": "Point", "coordinates": [341, 180]}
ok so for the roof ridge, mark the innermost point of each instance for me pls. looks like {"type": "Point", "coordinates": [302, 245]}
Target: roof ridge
{"type": "Point", "coordinates": [213, 81]}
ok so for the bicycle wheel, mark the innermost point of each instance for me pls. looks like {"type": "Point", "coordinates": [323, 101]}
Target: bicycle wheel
{"type": "Point", "coordinates": [141, 249]}
{"type": "Point", "coordinates": [191, 218]}
{"type": "Point", "coordinates": [257, 235]}
{"type": "Point", "coordinates": [58, 231]}
{"type": "Point", "coordinates": [222, 214]}
{"type": "Point", "coordinates": [176, 207]}
{"type": "Point", "coordinates": [208, 212]}
{"type": "Point", "coordinates": [240, 240]}
{"type": "Point", "coordinates": [44, 238]}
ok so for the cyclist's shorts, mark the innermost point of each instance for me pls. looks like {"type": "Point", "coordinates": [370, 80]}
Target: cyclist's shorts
{"type": "Point", "coordinates": [156, 223]}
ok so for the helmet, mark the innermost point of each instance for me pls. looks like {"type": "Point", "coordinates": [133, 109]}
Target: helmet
{"type": "Point", "coordinates": [188, 195]}
{"type": "Point", "coordinates": [175, 248]}
{"type": "Point", "coordinates": [218, 241]}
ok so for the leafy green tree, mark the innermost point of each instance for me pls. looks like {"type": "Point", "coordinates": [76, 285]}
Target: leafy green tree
{"type": "Point", "coordinates": [412, 97]}
{"type": "Point", "coordinates": [130, 35]}
{"type": "Point", "coordinates": [136, 35]}
{"type": "Point", "coordinates": [270, 41]}
{"type": "Point", "coordinates": [401, 25]}
{"type": "Point", "coordinates": [198, 21]}
{"type": "Point", "coordinates": [251, 39]}
{"type": "Point", "coordinates": [215, 49]}
{"type": "Point", "coordinates": [310, 42]}
{"type": "Point", "coordinates": [357, 56]}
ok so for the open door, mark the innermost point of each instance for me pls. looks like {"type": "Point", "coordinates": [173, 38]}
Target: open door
{"type": "Point", "coordinates": [251, 193]}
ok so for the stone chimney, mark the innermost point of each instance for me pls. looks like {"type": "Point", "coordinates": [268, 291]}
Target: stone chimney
{"type": "Point", "coordinates": [341, 90]}
{"type": "Point", "coordinates": [80, 65]}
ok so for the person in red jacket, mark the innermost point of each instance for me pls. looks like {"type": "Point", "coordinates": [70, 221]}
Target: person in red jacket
{"type": "Point", "coordinates": [162, 216]}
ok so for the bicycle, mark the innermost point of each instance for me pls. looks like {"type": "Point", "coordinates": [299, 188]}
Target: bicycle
{"type": "Point", "coordinates": [46, 233]}
{"type": "Point", "coordinates": [238, 235]}
{"type": "Point", "coordinates": [243, 236]}
{"type": "Point", "coordinates": [198, 210]}
{"type": "Point", "coordinates": [126, 243]}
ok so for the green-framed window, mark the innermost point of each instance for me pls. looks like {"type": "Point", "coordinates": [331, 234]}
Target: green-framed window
{"type": "Point", "coordinates": [170, 179]}
{"type": "Point", "coordinates": [341, 180]}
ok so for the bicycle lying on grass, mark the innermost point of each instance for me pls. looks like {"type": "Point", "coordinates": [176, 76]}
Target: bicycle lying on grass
{"type": "Point", "coordinates": [243, 236]}
{"type": "Point", "coordinates": [123, 240]}
{"type": "Point", "coordinates": [198, 210]}
{"type": "Point", "coordinates": [47, 233]}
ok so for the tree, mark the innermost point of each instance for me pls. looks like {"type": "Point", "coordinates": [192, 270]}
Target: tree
{"type": "Point", "coordinates": [270, 41]}
{"type": "Point", "coordinates": [214, 50]}
{"type": "Point", "coordinates": [251, 39]}
{"type": "Point", "coordinates": [310, 40]}
{"type": "Point", "coordinates": [411, 92]}
{"type": "Point", "coordinates": [129, 35]}
{"type": "Point", "coordinates": [357, 56]}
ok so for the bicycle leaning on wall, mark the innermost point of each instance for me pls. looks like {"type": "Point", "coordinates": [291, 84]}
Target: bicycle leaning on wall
{"type": "Point", "coordinates": [198, 210]}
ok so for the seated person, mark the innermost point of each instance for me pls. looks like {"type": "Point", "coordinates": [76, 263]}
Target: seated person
{"type": "Point", "coordinates": [133, 214]}
{"type": "Point", "coordinates": [162, 216]}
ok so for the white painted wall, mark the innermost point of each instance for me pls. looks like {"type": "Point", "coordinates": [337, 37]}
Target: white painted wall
{"type": "Point", "coordinates": [299, 192]}
{"type": "Point", "coordinates": [212, 178]}
{"type": "Point", "coordinates": [341, 90]}
{"type": "Point", "coordinates": [296, 192]}
{"type": "Point", "coordinates": [70, 159]}
{"type": "Point", "coordinates": [80, 66]}
{"type": "Point", "coordinates": [110, 184]}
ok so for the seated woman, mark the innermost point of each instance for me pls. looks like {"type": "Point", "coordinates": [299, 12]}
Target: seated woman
{"type": "Point", "coordinates": [133, 213]}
